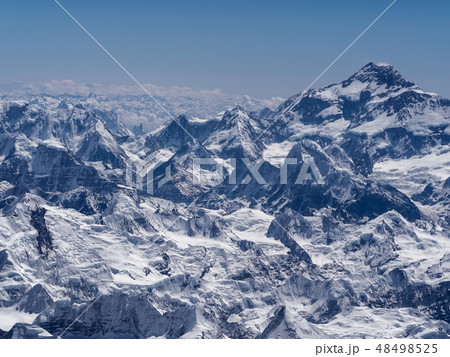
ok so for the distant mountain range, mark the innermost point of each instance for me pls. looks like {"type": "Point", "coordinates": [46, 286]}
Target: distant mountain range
{"type": "Point", "coordinates": [218, 253]}
{"type": "Point", "coordinates": [136, 109]}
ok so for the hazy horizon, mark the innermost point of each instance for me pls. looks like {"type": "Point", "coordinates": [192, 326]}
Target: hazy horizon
{"type": "Point", "coordinates": [266, 50]}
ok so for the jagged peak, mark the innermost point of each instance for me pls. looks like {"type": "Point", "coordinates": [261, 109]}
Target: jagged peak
{"type": "Point", "coordinates": [233, 116]}
{"type": "Point", "coordinates": [180, 120]}
{"type": "Point", "coordinates": [175, 125]}
{"type": "Point", "coordinates": [237, 109]}
{"type": "Point", "coordinates": [380, 74]}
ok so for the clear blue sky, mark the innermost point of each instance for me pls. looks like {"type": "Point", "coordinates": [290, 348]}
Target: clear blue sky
{"type": "Point", "coordinates": [262, 48]}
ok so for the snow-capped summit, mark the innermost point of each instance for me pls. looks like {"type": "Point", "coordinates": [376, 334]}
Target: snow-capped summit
{"type": "Point", "coordinates": [370, 114]}
{"type": "Point", "coordinates": [380, 74]}
{"type": "Point", "coordinates": [235, 133]}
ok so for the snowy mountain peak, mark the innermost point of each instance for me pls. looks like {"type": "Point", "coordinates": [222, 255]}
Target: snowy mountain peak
{"type": "Point", "coordinates": [237, 118]}
{"type": "Point", "coordinates": [237, 108]}
{"type": "Point", "coordinates": [380, 74]}
{"type": "Point", "coordinates": [235, 112]}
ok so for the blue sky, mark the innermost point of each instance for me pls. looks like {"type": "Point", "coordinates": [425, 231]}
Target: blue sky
{"type": "Point", "coordinates": [262, 48]}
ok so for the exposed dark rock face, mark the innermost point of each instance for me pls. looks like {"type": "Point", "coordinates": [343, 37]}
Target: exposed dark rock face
{"type": "Point", "coordinates": [44, 238]}
{"type": "Point", "coordinates": [36, 300]}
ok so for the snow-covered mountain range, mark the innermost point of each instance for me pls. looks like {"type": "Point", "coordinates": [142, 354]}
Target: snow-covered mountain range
{"type": "Point", "coordinates": [365, 252]}
{"type": "Point", "coordinates": [137, 109]}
